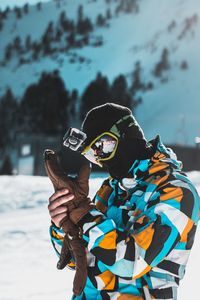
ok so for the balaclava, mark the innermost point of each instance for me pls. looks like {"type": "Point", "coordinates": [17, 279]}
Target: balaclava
{"type": "Point", "coordinates": [132, 143]}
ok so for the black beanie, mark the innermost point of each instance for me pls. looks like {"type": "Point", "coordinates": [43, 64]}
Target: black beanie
{"type": "Point", "coordinates": [101, 118]}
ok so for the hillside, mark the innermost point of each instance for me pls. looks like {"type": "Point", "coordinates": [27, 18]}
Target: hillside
{"type": "Point", "coordinates": [129, 32]}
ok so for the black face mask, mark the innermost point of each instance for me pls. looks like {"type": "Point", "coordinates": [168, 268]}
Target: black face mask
{"type": "Point", "coordinates": [129, 150]}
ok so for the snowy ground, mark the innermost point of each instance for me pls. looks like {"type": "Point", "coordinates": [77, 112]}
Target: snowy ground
{"type": "Point", "coordinates": [28, 263]}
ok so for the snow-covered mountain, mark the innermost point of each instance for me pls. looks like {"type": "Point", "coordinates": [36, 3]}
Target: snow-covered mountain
{"type": "Point", "coordinates": [130, 32]}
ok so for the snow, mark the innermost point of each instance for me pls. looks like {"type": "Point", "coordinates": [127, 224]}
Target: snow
{"type": "Point", "coordinates": [28, 262]}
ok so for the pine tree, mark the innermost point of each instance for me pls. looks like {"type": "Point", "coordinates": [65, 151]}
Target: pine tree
{"type": "Point", "coordinates": [73, 102]}
{"type": "Point", "coordinates": [131, 5]}
{"type": "Point", "coordinates": [71, 40]}
{"type": "Point", "coordinates": [5, 13]}
{"type": "Point", "coordinates": [8, 118]}
{"type": "Point", "coordinates": [8, 53]}
{"type": "Point", "coordinates": [26, 8]}
{"type": "Point", "coordinates": [120, 92]}
{"type": "Point", "coordinates": [163, 64]}
{"type": "Point", "coordinates": [184, 65]}
{"type": "Point", "coordinates": [100, 21]}
{"type": "Point", "coordinates": [37, 48]}
{"type": "Point", "coordinates": [79, 20]}
{"type": "Point", "coordinates": [58, 35]}
{"type": "Point", "coordinates": [7, 10]}
{"type": "Point", "coordinates": [39, 6]}
{"type": "Point", "coordinates": [18, 12]}
{"type": "Point", "coordinates": [137, 82]}
{"type": "Point", "coordinates": [58, 4]}
{"type": "Point", "coordinates": [43, 108]}
{"type": "Point", "coordinates": [1, 25]}
{"type": "Point", "coordinates": [6, 168]}
{"type": "Point", "coordinates": [17, 44]}
{"type": "Point", "coordinates": [46, 43]}
{"type": "Point", "coordinates": [87, 25]}
{"type": "Point", "coordinates": [65, 24]}
{"type": "Point", "coordinates": [165, 59]}
{"type": "Point", "coordinates": [108, 14]}
{"type": "Point", "coordinates": [96, 93]}
{"type": "Point", "coordinates": [80, 14]}
{"type": "Point", "coordinates": [50, 30]}
{"type": "Point", "coordinates": [28, 42]}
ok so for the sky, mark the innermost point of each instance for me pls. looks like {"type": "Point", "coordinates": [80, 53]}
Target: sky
{"type": "Point", "coordinates": [12, 3]}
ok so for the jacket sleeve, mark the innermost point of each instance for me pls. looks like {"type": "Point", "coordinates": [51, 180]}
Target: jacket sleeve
{"type": "Point", "coordinates": [150, 239]}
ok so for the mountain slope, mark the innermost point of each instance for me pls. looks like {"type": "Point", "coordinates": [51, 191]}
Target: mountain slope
{"type": "Point", "coordinates": [172, 107]}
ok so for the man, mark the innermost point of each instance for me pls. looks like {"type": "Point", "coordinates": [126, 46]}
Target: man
{"type": "Point", "coordinates": [139, 236]}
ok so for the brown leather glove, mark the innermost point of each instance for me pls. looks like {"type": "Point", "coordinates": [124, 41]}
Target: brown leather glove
{"type": "Point", "coordinates": [74, 245]}
{"type": "Point", "coordinates": [72, 241]}
{"type": "Point", "coordinates": [79, 187]}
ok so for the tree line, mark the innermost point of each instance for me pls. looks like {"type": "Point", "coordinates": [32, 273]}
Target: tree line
{"type": "Point", "coordinates": [64, 34]}
{"type": "Point", "coordinates": [48, 107]}
{"type": "Point", "coordinates": [60, 36]}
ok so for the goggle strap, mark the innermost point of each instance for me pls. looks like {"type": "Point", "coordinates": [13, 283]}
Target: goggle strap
{"type": "Point", "coordinates": [119, 127]}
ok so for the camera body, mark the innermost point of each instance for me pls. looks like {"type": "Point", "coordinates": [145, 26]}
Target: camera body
{"type": "Point", "coordinates": [74, 139]}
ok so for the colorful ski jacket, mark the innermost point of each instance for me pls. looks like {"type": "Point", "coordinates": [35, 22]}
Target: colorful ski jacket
{"type": "Point", "coordinates": [139, 237]}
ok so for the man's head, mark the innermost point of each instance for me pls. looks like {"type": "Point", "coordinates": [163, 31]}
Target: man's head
{"type": "Point", "coordinates": [113, 138]}
{"type": "Point", "coordinates": [106, 126]}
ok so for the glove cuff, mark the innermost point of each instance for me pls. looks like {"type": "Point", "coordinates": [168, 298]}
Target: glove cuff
{"type": "Point", "coordinates": [68, 227]}
{"type": "Point", "coordinates": [78, 213]}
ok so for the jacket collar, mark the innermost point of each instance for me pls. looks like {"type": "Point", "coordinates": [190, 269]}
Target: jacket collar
{"type": "Point", "coordinates": [163, 158]}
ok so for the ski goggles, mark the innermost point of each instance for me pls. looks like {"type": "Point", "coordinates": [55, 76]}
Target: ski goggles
{"type": "Point", "coordinates": [102, 148]}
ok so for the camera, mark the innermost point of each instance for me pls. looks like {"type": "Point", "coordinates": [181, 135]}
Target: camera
{"type": "Point", "coordinates": [74, 139]}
